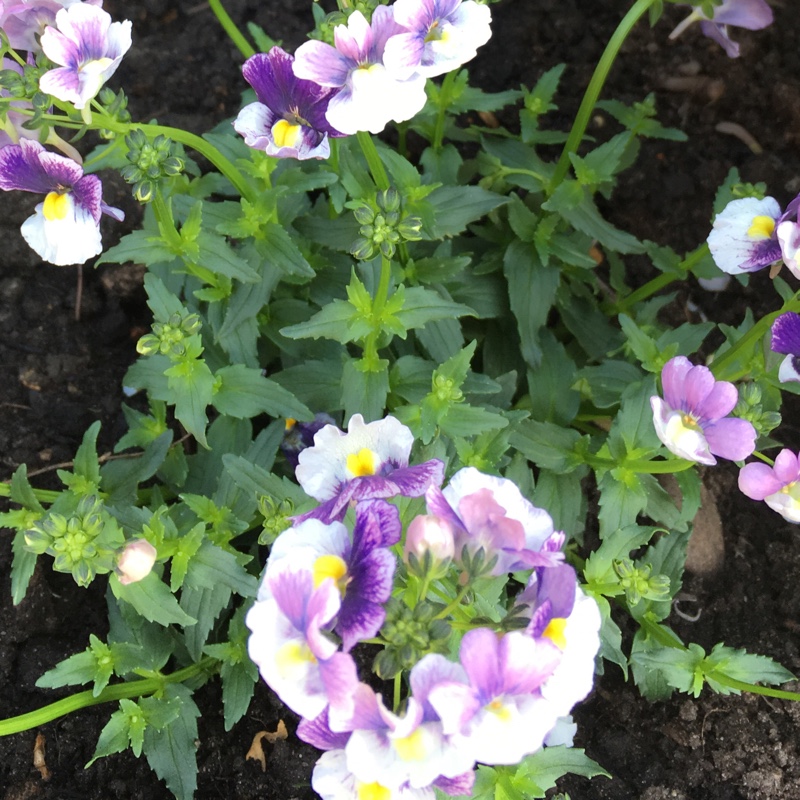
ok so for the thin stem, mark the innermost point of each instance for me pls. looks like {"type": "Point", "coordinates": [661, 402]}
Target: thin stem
{"type": "Point", "coordinates": [43, 495]}
{"type": "Point", "coordinates": [441, 114]}
{"type": "Point", "coordinates": [119, 691]}
{"type": "Point", "coordinates": [397, 689]}
{"type": "Point", "coordinates": [661, 281]}
{"type": "Point", "coordinates": [236, 36]}
{"type": "Point", "coordinates": [765, 459]}
{"type": "Point", "coordinates": [644, 466]}
{"type": "Point", "coordinates": [594, 88]}
{"type": "Point", "coordinates": [453, 604]}
{"type": "Point", "coordinates": [374, 162]}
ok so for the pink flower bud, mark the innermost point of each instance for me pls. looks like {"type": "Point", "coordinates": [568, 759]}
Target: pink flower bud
{"type": "Point", "coordinates": [430, 534]}
{"type": "Point", "coordinates": [135, 561]}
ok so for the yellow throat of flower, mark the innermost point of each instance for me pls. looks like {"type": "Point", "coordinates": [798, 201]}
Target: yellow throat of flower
{"type": "Point", "coordinates": [761, 227]}
{"type": "Point", "coordinates": [372, 791]}
{"type": "Point", "coordinates": [285, 134]}
{"type": "Point", "coordinates": [330, 566]}
{"type": "Point", "coordinates": [362, 463]}
{"type": "Point", "coordinates": [555, 632]}
{"type": "Point", "coordinates": [55, 206]}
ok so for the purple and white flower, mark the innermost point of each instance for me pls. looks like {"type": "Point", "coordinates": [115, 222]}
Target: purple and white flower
{"type": "Point", "coordinates": [750, 14]}
{"type": "Point", "coordinates": [66, 226]}
{"type": "Point", "coordinates": [368, 462]}
{"type": "Point", "coordinates": [777, 486]}
{"type": "Point", "coordinates": [439, 36]}
{"type": "Point", "coordinates": [788, 233]}
{"type": "Point", "coordinates": [743, 236]}
{"type": "Point", "coordinates": [692, 420]}
{"type": "Point", "coordinates": [490, 513]}
{"type": "Point", "coordinates": [24, 21]}
{"type": "Point", "coordinates": [288, 121]}
{"type": "Point", "coordinates": [786, 340]}
{"type": "Point", "coordinates": [369, 95]}
{"type": "Point", "coordinates": [289, 645]}
{"type": "Point", "coordinates": [363, 570]}
{"type": "Point", "coordinates": [495, 709]}
{"type": "Point", "coordinates": [88, 46]}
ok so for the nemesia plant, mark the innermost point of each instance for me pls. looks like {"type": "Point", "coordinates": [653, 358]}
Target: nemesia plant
{"type": "Point", "coordinates": [380, 385]}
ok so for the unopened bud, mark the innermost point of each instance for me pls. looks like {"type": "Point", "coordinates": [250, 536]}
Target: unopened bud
{"type": "Point", "coordinates": [429, 534]}
{"type": "Point", "coordinates": [136, 561]}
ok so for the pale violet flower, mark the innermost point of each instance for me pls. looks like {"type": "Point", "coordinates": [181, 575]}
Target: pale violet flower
{"type": "Point", "coordinates": [24, 21]}
{"type": "Point", "coordinates": [788, 234]}
{"type": "Point", "coordinates": [494, 709]}
{"type": "Point", "coordinates": [785, 339]}
{"type": "Point", "coordinates": [777, 486]}
{"type": "Point", "coordinates": [692, 420]}
{"type": "Point", "coordinates": [88, 46]}
{"type": "Point", "coordinates": [368, 462]}
{"type": "Point", "coordinates": [288, 641]}
{"type": "Point", "coordinates": [362, 569]}
{"type": "Point", "coordinates": [369, 95]}
{"type": "Point", "coordinates": [66, 227]}
{"type": "Point", "coordinates": [136, 561]}
{"type": "Point", "coordinates": [743, 236]}
{"type": "Point", "coordinates": [288, 120]}
{"type": "Point", "coordinates": [439, 36]}
{"type": "Point", "coordinates": [750, 14]}
{"type": "Point", "coordinates": [489, 513]}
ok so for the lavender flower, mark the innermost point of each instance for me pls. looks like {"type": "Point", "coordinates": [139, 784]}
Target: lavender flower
{"type": "Point", "coordinates": [490, 513]}
{"type": "Point", "coordinates": [289, 646]}
{"type": "Point", "coordinates": [497, 712]}
{"type": "Point", "coordinates": [88, 46]}
{"type": "Point", "coordinates": [750, 14]}
{"type": "Point", "coordinates": [692, 420]}
{"type": "Point", "coordinates": [786, 340]}
{"type": "Point", "coordinates": [439, 36]}
{"type": "Point", "coordinates": [66, 227]}
{"type": "Point", "coordinates": [368, 462]}
{"type": "Point", "coordinates": [777, 486]}
{"type": "Point", "coordinates": [363, 570]}
{"type": "Point", "coordinates": [368, 95]}
{"type": "Point", "coordinates": [24, 21]}
{"type": "Point", "coordinates": [288, 121]}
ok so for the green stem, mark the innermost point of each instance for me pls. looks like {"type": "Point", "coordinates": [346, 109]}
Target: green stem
{"type": "Point", "coordinates": [590, 98]}
{"type": "Point", "coordinates": [441, 115]}
{"type": "Point", "coordinates": [119, 691]}
{"type": "Point", "coordinates": [643, 466]}
{"type": "Point", "coordinates": [453, 604]}
{"type": "Point", "coordinates": [236, 36]}
{"type": "Point", "coordinates": [374, 162]}
{"type": "Point", "coordinates": [43, 495]}
{"type": "Point", "coordinates": [398, 685]}
{"type": "Point", "coordinates": [663, 280]}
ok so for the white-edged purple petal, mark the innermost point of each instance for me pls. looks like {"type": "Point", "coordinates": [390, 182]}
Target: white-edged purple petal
{"type": "Point", "coordinates": [742, 238]}
{"type": "Point", "coordinates": [680, 434]}
{"type": "Point", "coordinates": [318, 733]}
{"type": "Point", "coordinates": [718, 403]}
{"type": "Point", "coordinates": [673, 376]}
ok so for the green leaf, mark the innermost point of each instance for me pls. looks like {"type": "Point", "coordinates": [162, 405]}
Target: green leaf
{"type": "Point", "coordinates": [125, 727]}
{"type": "Point", "coordinates": [193, 386]}
{"type": "Point", "coordinates": [610, 637]}
{"type": "Point", "coordinates": [564, 498]}
{"type": "Point", "coordinates": [599, 567]}
{"type": "Point", "coordinates": [454, 207]}
{"type": "Point", "coordinates": [152, 598]}
{"type": "Point", "coordinates": [547, 445]}
{"type": "Point", "coordinates": [421, 305]}
{"type": "Point", "coordinates": [531, 292]}
{"type": "Point", "coordinates": [172, 752]}
{"type": "Point", "coordinates": [606, 382]}
{"type": "Point", "coordinates": [279, 249]}
{"type": "Point", "coordinates": [213, 566]}
{"type": "Point", "coordinates": [73, 671]}
{"type": "Point", "coordinates": [215, 254]}
{"type": "Point", "coordinates": [23, 565]}
{"type": "Point", "coordinates": [680, 668]}
{"type": "Point", "coordinates": [334, 321]}
{"type": "Point", "coordinates": [139, 247]}
{"type": "Point", "coordinates": [205, 604]}
{"type": "Point", "coordinates": [552, 398]}
{"type": "Point", "coordinates": [243, 392]}
{"type": "Point", "coordinates": [644, 347]}
{"type": "Point", "coordinates": [546, 766]}
{"type": "Point", "coordinates": [622, 499]}
{"type": "Point", "coordinates": [742, 666]}
{"type": "Point", "coordinates": [364, 391]}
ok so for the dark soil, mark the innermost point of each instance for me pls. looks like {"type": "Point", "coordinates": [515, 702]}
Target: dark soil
{"type": "Point", "coordinates": [60, 375]}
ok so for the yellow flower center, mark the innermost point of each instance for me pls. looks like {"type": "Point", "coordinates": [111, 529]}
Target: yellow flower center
{"type": "Point", "coordinates": [362, 463]}
{"type": "Point", "coordinates": [285, 134]}
{"type": "Point", "coordinates": [555, 632]}
{"type": "Point", "coordinates": [55, 206]}
{"type": "Point", "coordinates": [761, 227]}
{"type": "Point", "coordinates": [330, 566]}
{"type": "Point", "coordinates": [372, 791]}
{"type": "Point", "coordinates": [290, 423]}
{"type": "Point", "coordinates": [411, 747]}
{"type": "Point", "coordinates": [499, 709]}
{"type": "Point", "coordinates": [291, 656]}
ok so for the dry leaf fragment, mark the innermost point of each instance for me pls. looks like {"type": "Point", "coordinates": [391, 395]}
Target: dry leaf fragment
{"type": "Point", "coordinates": [256, 750]}
{"type": "Point", "coordinates": [38, 757]}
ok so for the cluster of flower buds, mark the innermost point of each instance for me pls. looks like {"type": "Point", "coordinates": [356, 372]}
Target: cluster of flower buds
{"type": "Point", "coordinates": [327, 588]}
{"type": "Point", "coordinates": [171, 338]}
{"type": "Point", "coordinates": [149, 162]}
{"type": "Point", "coordinates": [383, 226]}
{"type": "Point", "coordinates": [373, 73]}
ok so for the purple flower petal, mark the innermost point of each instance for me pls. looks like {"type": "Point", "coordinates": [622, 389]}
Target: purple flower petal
{"type": "Point", "coordinates": [317, 733]}
{"type": "Point", "coordinates": [459, 786]}
{"type": "Point", "coordinates": [719, 402]}
{"type": "Point", "coordinates": [697, 386]}
{"type": "Point", "coordinates": [785, 333]}
{"type": "Point", "coordinates": [672, 378]}
{"type": "Point", "coordinates": [340, 679]}
{"type": "Point", "coordinates": [415, 481]}
{"type": "Point", "coordinates": [787, 466]}
{"type": "Point", "coordinates": [323, 64]}
{"type": "Point", "coordinates": [480, 657]}
{"type": "Point", "coordinates": [758, 481]}
{"type": "Point", "coordinates": [731, 438]}
{"type": "Point", "coordinates": [750, 14]}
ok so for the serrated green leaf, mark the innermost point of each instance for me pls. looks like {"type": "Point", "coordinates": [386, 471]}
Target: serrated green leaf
{"type": "Point", "coordinates": [546, 766]}
{"type": "Point", "coordinates": [139, 247]}
{"type": "Point", "coordinates": [364, 391]}
{"type": "Point", "coordinates": [152, 598]}
{"type": "Point", "coordinates": [23, 565]}
{"type": "Point", "coordinates": [622, 499]}
{"type": "Point", "coordinates": [547, 445]}
{"type": "Point", "coordinates": [454, 207]}
{"type": "Point", "coordinates": [243, 392]}
{"type": "Point", "coordinates": [73, 671]}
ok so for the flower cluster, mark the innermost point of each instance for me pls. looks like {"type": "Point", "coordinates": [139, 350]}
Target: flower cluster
{"type": "Point", "coordinates": [324, 590]}
{"type": "Point", "coordinates": [374, 73]}
{"type": "Point", "coordinates": [84, 48]}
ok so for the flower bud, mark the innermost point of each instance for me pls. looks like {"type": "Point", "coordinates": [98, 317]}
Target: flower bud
{"type": "Point", "coordinates": [429, 534]}
{"type": "Point", "coordinates": [135, 561]}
